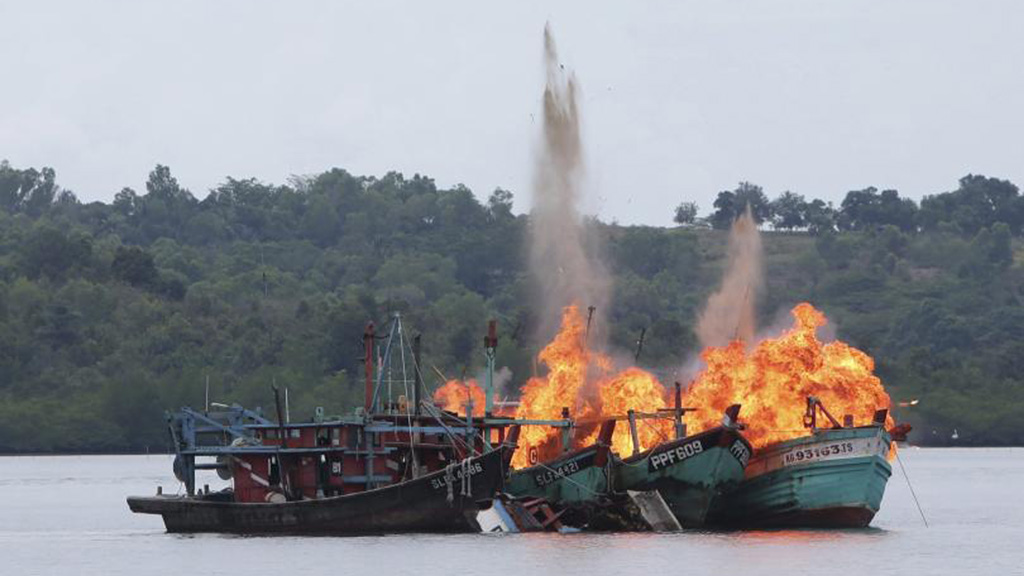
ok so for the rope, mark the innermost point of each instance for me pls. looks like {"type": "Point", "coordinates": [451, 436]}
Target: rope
{"type": "Point", "coordinates": [909, 485]}
{"type": "Point", "coordinates": [449, 479]}
{"type": "Point", "coordinates": [435, 413]}
{"type": "Point", "coordinates": [405, 388]}
{"type": "Point", "coordinates": [659, 432]}
{"type": "Point", "coordinates": [466, 485]}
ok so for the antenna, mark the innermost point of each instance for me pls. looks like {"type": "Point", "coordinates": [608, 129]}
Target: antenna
{"type": "Point", "coordinates": [490, 348]}
{"type": "Point", "coordinates": [287, 410]}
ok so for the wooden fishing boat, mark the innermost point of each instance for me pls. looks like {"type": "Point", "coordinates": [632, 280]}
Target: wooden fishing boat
{"type": "Point", "coordinates": [689, 472]}
{"type": "Point", "coordinates": [574, 477]}
{"type": "Point", "coordinates": [832, 478]}
{"type": "Point", "coordinates": [390, 467]}
{"type": "Point", "coordinates": [443, 501]}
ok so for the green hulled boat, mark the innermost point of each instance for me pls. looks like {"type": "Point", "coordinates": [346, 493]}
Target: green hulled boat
{"type": "Point", "coordinates": [691, 471]}
{"type": "Point", "coordinates": [832, 478]}
{"type": "Point", "coordinates": [573, 478]}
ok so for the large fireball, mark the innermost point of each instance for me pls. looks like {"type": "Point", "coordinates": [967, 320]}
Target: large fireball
{"type": "Point", "coordinates": [773, 381]}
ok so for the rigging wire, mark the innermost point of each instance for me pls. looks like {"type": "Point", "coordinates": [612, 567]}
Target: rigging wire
{"type": "Point", "coordinates": [405, 388]}
{"type": "Point", "coordinates": [911, 486]}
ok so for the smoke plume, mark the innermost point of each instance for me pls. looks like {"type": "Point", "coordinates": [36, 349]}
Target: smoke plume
{"type": "Point", "coordinates": [559, 262]}
{"type": "Point", "coordinates": [730, 312]}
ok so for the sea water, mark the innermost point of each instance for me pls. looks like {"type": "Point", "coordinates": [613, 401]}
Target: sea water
{"type": "Point", "coordinates": [67, 515]}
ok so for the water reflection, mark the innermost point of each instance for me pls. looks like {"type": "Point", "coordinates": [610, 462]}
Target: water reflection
{"type": "Point", "coordinates": [787, 537]}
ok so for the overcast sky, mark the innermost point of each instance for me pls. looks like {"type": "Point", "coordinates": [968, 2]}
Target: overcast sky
{"type": "Point", "coordinates": [680, 99]}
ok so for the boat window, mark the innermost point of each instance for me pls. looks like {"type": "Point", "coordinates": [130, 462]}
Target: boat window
{"type": "Point", "coordinates": [295, 433]}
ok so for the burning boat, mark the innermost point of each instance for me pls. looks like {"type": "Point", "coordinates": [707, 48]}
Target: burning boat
{"type": "Point", "coordinates": [691, 471]}
{"type": "Point", "coordinates": [574, 466]}
{"type": "Point", "coordinates": [576, 477]}
{"type": "Point", "coordinates": [801, 474]}
{"type": "Point", "coordinates": [389, 468]}
{"type": "Point", "coordinates": [832, 478]}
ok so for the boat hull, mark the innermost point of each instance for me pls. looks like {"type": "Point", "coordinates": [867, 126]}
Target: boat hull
{"type": "Point", "coordinates": [575, 477]}
{"type": "Point", "coordinates": [832, 479]}
{"type": "Point", "coordinates": [688, 473]}
{"type": "Point", "coordinates": [420, 505]}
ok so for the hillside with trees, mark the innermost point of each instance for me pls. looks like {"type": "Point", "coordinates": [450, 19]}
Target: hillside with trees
{"type": "Point", "coordinates": [112, 313]}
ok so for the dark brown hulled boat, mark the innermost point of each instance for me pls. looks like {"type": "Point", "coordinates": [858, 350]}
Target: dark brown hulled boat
{"type": "Point", "coordinates": [391, 467]}
{"type": "Point", "coordinates": [443, 501]}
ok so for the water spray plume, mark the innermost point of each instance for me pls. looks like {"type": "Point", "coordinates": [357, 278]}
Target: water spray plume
{"type": "Point", "coordinates": [730, 313]}
{"type": "Point", "coordinates": [569, 275]}
{"type": "Point", "coordinates": [559, 263]}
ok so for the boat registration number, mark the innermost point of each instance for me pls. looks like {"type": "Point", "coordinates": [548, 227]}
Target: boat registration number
{"type": "Point", "coordinates": [660, 460]}
{"type": "Point", "coordinates": [817, 452]}
{"type": "Point", "coordinates": [551, 474]}
{"type": "Point", "coordinates": [440, 482]}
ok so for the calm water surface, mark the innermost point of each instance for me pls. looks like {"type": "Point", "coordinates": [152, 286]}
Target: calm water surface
{"type": "Point", "coordinates": [67, 515]}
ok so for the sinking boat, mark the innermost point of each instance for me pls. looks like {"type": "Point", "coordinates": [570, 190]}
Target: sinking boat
{"type": "Point", "coordinates": [691, 471]}
{"type": "Point", "coordinates": [577, 484]}
{"type": "Point", "coordinates": [833, 478]}
{"type": "Point", "coordinates": [570, 479]}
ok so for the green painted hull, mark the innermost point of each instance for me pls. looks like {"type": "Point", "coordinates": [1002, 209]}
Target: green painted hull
{"type": "Point", "coordinates": [688, 473]}
{"type": "Point", "coordinates": [834, 478]}
{"type": "Point", "coordinates": [571, 479]}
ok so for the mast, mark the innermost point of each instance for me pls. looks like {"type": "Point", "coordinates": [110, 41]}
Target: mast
{"type": "Point", "coordinates": [417, 390]}
{"type": "Point", "coordinates": [490, 349]}
{"type": "Point", "coordinates": [368, 361]}
{"type": "Point", "coordinates": [283, 470]}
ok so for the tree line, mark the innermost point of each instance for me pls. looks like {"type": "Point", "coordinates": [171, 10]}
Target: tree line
{"type": "Point", "coordinates": [111, 313]}
{"type": "Point", "coordinates": [978, 203]}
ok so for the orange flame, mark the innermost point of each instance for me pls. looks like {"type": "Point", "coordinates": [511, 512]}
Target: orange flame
{"type": "Point", "coordinates": [773, 381]}
{"type": "Point", "coordinates": [583, 381]}
{"type": "Point", "coordinates": [639, 390]}
{"type": "Point", "coordinates": [455, 395]}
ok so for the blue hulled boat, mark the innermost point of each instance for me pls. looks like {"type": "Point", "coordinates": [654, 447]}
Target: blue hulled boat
{"type": "Point", "coordinates": [833, 478]}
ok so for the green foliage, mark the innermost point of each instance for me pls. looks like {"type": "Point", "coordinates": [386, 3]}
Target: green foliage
{"type": "Point", "coordinates": [788, 211]}
{"type": "Point", "coordinates": [110, 314]}
{"type": "Point", "coordinates": [868, 209]}
{"type": "Point", "coordinates": [686, 213]}
{"type": "Point", "coordinates": [978, 203]}
{"type": "Point", "coordinates": [729, 205]}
